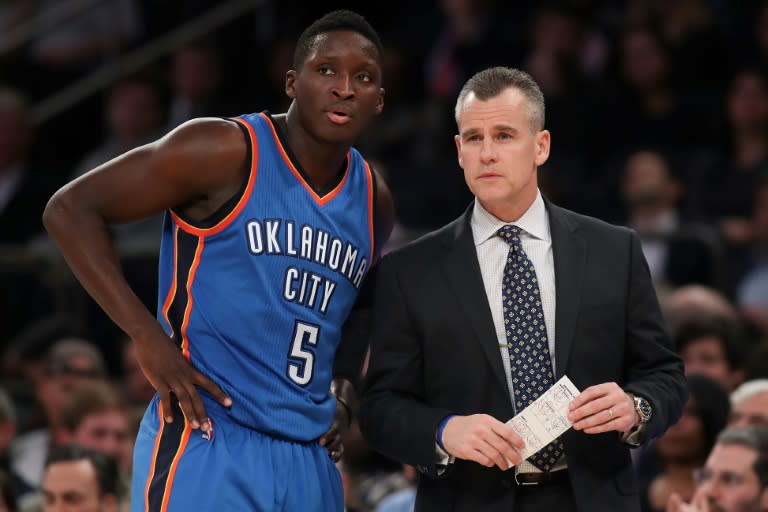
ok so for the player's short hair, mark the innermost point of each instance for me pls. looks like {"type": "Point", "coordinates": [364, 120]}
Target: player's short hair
{"type": "Point", "coordinates": [332, 22]}
{"type": "Point", "coordinates": [491, 82]}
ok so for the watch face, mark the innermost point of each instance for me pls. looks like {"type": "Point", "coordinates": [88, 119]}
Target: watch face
{"type": "Point", "coordinates": [643, 409]}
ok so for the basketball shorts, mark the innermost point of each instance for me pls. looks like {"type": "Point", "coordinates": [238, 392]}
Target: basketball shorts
{"type": "Point", "coordinates": [231, 469]}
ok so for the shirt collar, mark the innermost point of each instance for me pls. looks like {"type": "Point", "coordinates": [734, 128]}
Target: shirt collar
{"type": "Point", "coordinates": [534, 221]}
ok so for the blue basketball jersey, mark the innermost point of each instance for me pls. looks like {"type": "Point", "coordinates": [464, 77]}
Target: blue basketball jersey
{"type": "Point", "coordinates": [256, 299]}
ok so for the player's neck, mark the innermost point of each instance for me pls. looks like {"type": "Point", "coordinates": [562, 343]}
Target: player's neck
{"type": "Point", "coordinates": [321, 161]}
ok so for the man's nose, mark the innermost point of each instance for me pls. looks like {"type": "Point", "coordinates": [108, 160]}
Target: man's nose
{"type": "Point", "coordinates": [487, 152]}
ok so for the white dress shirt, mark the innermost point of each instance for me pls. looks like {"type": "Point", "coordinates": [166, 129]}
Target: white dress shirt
{"type": "Point", "coordinates": [492, 253]}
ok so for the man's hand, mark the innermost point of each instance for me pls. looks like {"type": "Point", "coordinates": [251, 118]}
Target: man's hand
{"type": "Point", "coordinates": [169, 372]}
{"type": "Point", "coordinates": [332, 439]}
{"type": "Point", "coordinates": [483, 439]}
{"type": "Point", "coordinates": [603, 408]}
{"type": "Point", "coordinates": [676, 504]}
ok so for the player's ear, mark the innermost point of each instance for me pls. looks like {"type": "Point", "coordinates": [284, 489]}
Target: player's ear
{"type": "Point", "coordinates": [380, 102]}
{"type": "Point", "coordinates": [290, 83]}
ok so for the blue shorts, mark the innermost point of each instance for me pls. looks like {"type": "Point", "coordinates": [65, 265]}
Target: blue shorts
{"type": "Point", "coordinates": [176, 468]}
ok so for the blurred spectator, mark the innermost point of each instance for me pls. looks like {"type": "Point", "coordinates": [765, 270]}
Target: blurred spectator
{"type": "Point", "coordinates": [23, 188]}
{"type": "Point", "coordinates": [7, 433]}
{"type": "Point", "coordinates": [95, 416]}
{"type": "Point", "coordinates": [756, 366]}
{"type": "Point", "coordinates": [694, 36]}
{"type": "Point", "coordinates": [24, 366]}
{"type": "Point", "coordinates": [752, 292]}
{"type": "Point", "coordinates": [684, 447]}
{"type": "Point", "coordinates": [677, 253]}
{"type": "Point", "coordinates": [69, 362]}
{"type": "Point", "coordinates": [196, 86]}
{"type": "Point", "coordinates": [735, 476]}
{"type": "Point", "coordinates": [138, 391]}
{"type": "Point", "coordinates": [404, 499]}
{"type": "Point", "coordinates": [80, 479]}
{"type": "Point", "coordinates": [136, 113]}
{"type": "Point", "coordinates": [749, 404]}
{"type": "Point", "coordinates": [712, 347]}
{"type": "Point", "coordinates": [7, 493]}
{"type": "Point", "coordinates": [729, 185]}
{"type": "Point", "coordinates": [694, 301]}
{"type": "Point", "coordinates": [556, 60]}
{"type": "Point", "coordinates": [136, 109]}
{"type": "Point", "coordinates": [649, 111]}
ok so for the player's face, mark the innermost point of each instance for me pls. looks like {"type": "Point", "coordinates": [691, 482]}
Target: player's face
{"type": "Point", "coordinates": [338, 90]}
{"type": "Point", "coordinates": [500, 151]}
{"type": "Point", "coordinates": [729, 482]}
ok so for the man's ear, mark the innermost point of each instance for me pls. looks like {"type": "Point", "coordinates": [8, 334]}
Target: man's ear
{"type": "Point", "coordinates": [290, 83]}
{"type": "Point", "coordinates": [457, 139]}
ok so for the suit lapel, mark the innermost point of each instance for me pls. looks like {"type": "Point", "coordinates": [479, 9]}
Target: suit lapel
{"type": "Point", "coordinates": [569, 254]}
{"type": "Point", "coordinates": [462, 272]}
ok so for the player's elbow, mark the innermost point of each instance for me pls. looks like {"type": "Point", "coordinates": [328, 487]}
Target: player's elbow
{"type": "Point", "coordinates": [58, 211]}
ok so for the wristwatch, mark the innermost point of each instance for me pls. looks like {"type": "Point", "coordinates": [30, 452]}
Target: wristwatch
{"type": "Point", "coordinates": [642, 408]}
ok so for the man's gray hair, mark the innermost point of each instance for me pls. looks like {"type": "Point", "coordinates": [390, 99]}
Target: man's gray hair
{"type": "Point", "coordinates": [491, 82]}
{"type": "Point", "coordinates": [748, 390]}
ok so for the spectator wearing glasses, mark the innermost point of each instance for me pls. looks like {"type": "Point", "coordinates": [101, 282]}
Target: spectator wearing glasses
{"type": "Point", "coordinates": [735, 476]}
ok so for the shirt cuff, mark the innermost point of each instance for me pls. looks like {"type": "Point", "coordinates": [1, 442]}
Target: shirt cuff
{"type": "Point", "coordinates": [635, 436]}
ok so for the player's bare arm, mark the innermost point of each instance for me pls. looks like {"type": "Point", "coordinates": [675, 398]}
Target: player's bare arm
{"type": "Point", "coordinates": [195, 168]}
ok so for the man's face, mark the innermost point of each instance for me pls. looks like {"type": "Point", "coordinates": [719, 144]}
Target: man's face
{"type": "Point", "coordinates": [729, 482]}
{"type": "Point", "coordinates": [106, 432]}
{"type": "Point", "coordinates": [500, 151]}
{"type": "Point", "coordinates": [72, 486]}
{"type": "Point", "coordinates": [338, 90]}
{"type": "Point", "coordinates": [750, 411]}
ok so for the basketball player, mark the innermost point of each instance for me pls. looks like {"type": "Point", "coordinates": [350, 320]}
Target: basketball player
{"type": "Point", "coordinates": [272, 224]}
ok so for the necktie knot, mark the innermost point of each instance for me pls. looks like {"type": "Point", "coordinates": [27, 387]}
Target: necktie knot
{"type": "Point", "coordinates": [510, 234]}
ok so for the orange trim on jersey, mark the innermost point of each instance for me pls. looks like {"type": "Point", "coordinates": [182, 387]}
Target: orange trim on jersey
{"type": "Point", "coordinates": [174, 464]}
{"type": "Point", "coordinates": [188, 308]}
{"type": "Point", "coordinates": [153, 460]}
{"type": "Point", "coordinates": [172, 290]}
{"type": "Point", "coordinates": [226, 221]}
{"type": "Point", "coordinates": [322, 200]}
{"type": "Point", "coordinates": [369, 176]}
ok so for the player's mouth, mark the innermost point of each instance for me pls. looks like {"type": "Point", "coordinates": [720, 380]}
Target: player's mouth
{"type": "Point", "coordinates": [339, 116]}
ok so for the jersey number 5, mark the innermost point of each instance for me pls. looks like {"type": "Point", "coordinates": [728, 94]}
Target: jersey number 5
{"type": "Point", "coordinates": [301, 360]}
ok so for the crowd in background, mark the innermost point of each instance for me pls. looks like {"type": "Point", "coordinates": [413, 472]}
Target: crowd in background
{"type": "Point", "coordinates": [658, 111]}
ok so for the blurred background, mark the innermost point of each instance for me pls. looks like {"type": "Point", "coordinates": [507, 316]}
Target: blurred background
{"type": "Point", "coordinates": [658, 111]}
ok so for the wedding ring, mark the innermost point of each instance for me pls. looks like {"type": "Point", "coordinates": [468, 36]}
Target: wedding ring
{"type": "Point", "coordinates": [610, 412]}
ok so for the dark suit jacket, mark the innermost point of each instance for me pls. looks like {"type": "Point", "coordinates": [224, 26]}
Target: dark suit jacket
{"type": "Point", "coordinates": [435, 352]}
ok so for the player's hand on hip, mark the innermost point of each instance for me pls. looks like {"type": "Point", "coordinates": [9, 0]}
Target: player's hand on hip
{"type": "Point", "coordinates": [603, 408]}
{"type": "Point", "coordinates": [483, 439]}
{"type": "Point", "coordinates": [169, 372]}
{"type": "Point", "coordinates": [332, 439]}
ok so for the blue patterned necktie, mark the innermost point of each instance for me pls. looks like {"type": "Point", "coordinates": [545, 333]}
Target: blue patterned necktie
{"type": "Point", "coordinates": [531, 365]}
